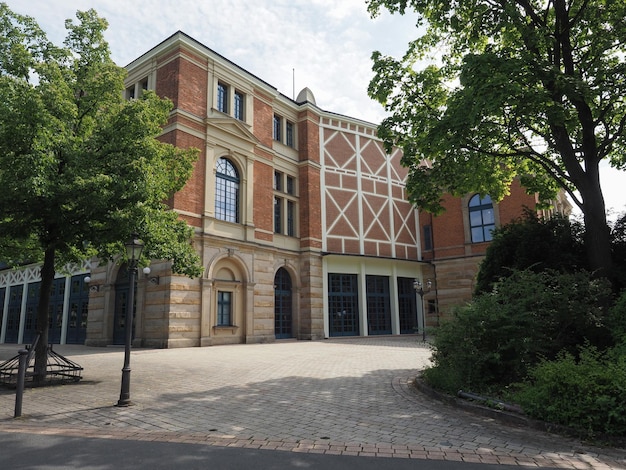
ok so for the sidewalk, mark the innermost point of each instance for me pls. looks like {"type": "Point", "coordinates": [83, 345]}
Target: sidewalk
{"type": "Point", "coordinates": [341, 397]}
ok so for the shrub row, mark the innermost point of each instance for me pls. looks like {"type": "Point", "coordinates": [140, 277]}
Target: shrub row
{"type": "Point", "coordinates": [546, 339]}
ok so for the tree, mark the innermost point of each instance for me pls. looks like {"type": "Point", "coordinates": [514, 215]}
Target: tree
{"type": "Point", "coordinates": [534, 244]}
{"type": "Point", "coordinates": [526, 88]}
{"type": "Point", "coordinates": [80, 166]}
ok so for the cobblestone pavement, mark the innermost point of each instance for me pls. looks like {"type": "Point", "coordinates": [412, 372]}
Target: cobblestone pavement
{"type": "Point", "coordinates": [349, 396]}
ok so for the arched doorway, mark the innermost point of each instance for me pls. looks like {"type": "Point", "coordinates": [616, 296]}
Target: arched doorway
{"type": "Point", "coordinates": [121, 306]}
{"type": "Point", "coordinates": [283, 305]}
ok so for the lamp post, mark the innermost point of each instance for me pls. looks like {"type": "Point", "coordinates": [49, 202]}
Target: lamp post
{"type": "Point", "coordinates": [134, 248]}
{"type": "Point", "coordinates": [420, 289]}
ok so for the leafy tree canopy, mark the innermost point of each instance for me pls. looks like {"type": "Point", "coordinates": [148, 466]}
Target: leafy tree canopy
{"type": "Point", "coordinates": [525, 88]}
{"type": "Point", "coordinates": [80, 166]}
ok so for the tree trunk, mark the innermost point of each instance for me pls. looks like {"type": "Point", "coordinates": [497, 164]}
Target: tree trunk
{"type": "Point", "coordinates": [41, 351]}
{"type": "Point", "coordinates": [597, 232]}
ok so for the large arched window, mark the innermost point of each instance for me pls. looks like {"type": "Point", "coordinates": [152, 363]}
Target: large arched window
{"type": "Point", "coordinates": [482, 219]}
{"type": "Point", "coordinates": [226, 191]}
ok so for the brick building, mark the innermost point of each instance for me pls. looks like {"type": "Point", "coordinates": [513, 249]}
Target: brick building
{"type": "Point", "coordinates": [300, 218]}
{"type": "Point", "coordinates": [454, 243]}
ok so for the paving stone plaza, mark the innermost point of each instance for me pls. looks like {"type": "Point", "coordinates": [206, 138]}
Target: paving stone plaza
{"type": "Point", "coordinates": [349, 397]}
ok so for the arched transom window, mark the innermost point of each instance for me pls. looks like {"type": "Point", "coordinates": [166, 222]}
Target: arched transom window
{"type": "Point", "coordinates": [226, 191]}
{"type": "Point", "coordinates": [482, 219]}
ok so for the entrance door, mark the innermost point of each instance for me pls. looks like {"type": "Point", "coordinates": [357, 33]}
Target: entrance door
{"type": "Point", "coordinates": [283, 305]}
{"type": "Point", "coordinates": [343, 305]}
{"type": "Point", "coordinates": [30, 320]}
{"type": "Point", "coordinates": [13, 314]}
{"type": "Point", "coordinates": [407, 306]}
{"type": "Point", "coordinates": [78, 309]}
{"type": "Point", "coordinates": [378, 305]}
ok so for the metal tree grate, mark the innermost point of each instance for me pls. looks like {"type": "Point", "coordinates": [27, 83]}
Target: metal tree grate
{"type": "Point", "coordinates": [59, 369]}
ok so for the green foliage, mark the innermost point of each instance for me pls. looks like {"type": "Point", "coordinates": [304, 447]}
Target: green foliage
{"type": "Point", "coordinates": [538, 244]}
{"type": "Point", "coordinates": [522, 88]}
{"type": "Point", "coordinates": [585, 393]}
{"type": "Point", "coordinates": [616, 322]}
{"type": "Point", "coordinates": [532, 243]}
{"type": "Point", "coordinates": [494, 340]}
{"type": "Point", "coordinates": [81, 168]}
{"type": "Point", "coordinates": [618, 246]}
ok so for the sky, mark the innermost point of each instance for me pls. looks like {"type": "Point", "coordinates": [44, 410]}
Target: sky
{"type": "Point", "coordinates": [325, 45]}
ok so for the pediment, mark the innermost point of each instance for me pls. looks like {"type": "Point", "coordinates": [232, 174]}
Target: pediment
{"type": "Point", "coordinates": [233, 127]}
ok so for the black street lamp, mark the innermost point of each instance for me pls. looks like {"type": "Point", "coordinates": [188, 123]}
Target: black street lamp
{"type": "Point", "coordinates": [421, 290]}
{"type": "Point", "coordinates": [134, 248]}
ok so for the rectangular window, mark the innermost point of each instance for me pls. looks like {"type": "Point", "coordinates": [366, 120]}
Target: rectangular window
{"type": "Point", "coordinates": [239, 100]}
{"type": "Point", "coordinates": [144, 84]}
{"type": "Point", "coordinates": [278, 212]}
{"type": "Point", "coordinates": [289, 134]}
{"type": "Point", "coordinates": [278, 122]}
{"type": "Point", "coordinates": [278, 181]}
{"type": "Point", "coordinates": [130, 92]}
{"type": "Point", "coordinates": [285, 207]}
{"type": "Point", "coordinates": [222, 98]}
{"type": "Point", "coordinates": [224, 308]}
{"type": "Point", "coordinates": [291, 219]}
{"type": "Point", "coordinates": [428, 238]}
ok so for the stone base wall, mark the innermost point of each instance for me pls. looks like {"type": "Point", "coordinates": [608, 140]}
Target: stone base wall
{"type": "Point", "coordinates": [455, 282]}
{"type": "Point", "coordinates": [175, 311]}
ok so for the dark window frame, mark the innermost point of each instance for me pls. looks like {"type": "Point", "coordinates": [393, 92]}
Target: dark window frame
{"type": "Point", "coordinates": [278, 214]}
{"type": "Point", "coordinates": [289, 134]}
{"type": "Point", "coordinates": [224, 308]}
{"type": "Point", "coordinates": [239, 100]}
{"type": "Point", "coordinates": [428, 237]}
{"type": "Point", "coordinates": [481, 218]}
{"type": "Point", "coordinates": [227, 191]}
{"type": "Point", "coordinates": [222, 97]}
{"type": "Point", "coordinates": [277, 128]}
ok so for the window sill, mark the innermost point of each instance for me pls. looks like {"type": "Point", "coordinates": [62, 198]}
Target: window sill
{"type": "Point", "coordinates": [223, 328]}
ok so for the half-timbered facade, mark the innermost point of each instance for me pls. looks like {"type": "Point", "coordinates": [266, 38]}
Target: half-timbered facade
{"type": "Point", "coordinates": [299, 215]}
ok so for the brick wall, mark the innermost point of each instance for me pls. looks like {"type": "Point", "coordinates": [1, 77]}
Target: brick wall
{"type": "Point", "coordinates": [263, 120]}
{"type": "Point", "coordinates": [191, 198]}
{"type": "Point", "coordinates": [263, 200]}
{"type": "Point", "coordinates": [310, 216]}
{"type": "Point", "coordinates": [455, 258]}
{"type": "Point", "coordinates": [167, 83]}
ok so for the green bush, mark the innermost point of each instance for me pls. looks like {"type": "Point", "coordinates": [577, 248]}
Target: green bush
{"type": "Point", "coordinates": [585, 394]}
{"type": "Point", "coordinates": [616, 322]}
{"type": "Point", "coordinates": [494, 340]}
{"type": "Point", "coordinates": [532, 243]}
{"type": "Point", "coordinates": [618, 246]}
{"type": "Point", "coordinates": [538, 244]}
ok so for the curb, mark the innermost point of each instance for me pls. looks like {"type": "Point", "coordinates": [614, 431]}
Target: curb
{"type": "Point", "coordinates": [502, 416]}
{"type": "Point", "coordinates": [514, 419]}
